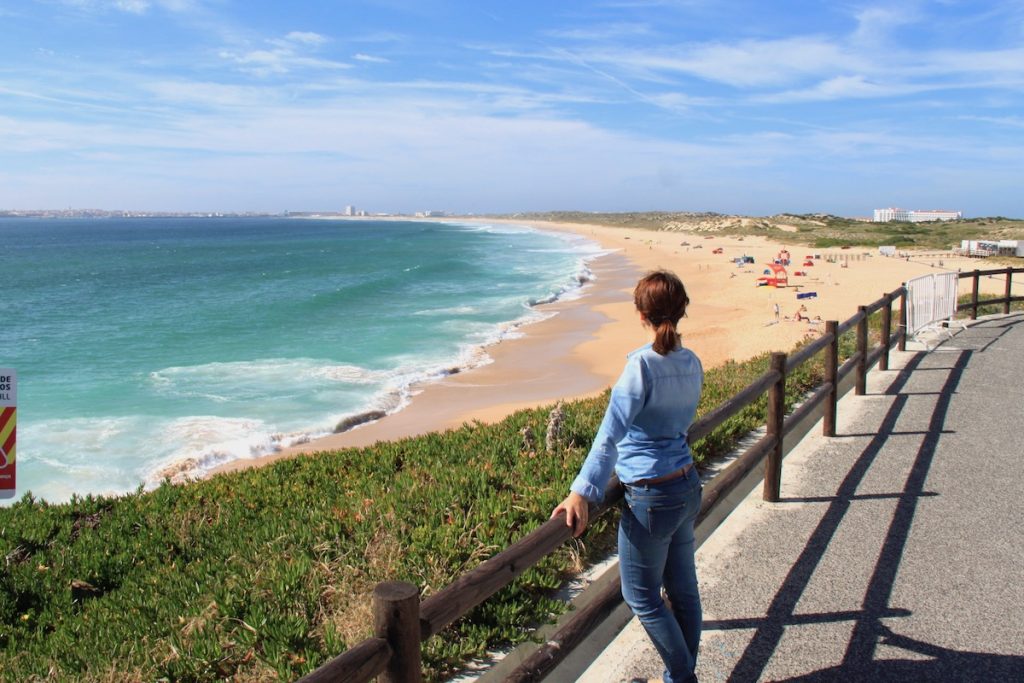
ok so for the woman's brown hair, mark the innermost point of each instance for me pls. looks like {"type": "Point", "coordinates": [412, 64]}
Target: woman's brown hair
{"type": "Point", "coordinates": [661, 298]}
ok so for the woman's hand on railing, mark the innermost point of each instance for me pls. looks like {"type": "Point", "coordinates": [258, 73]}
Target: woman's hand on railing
{"type": "Point", "coordinates": [577, 512]}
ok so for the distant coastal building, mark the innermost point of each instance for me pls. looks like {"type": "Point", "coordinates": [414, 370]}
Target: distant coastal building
{"type": "Point", "coordinates": [983, 248]}
{"type": "Point", "coordinates": [915, 216]}
{"type": "Point", "coordinates": [886, 215]}
{"type": "Point", "coordinates": [350, 211]}
{"type": "Point", "coordinates": [430, 214]}
{"type": "Point", "coordinates": [920, 216]}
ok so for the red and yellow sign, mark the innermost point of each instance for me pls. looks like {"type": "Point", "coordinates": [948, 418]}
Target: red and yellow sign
{"type": "Point", "coordinates": [8, 431]}
{"type": "Point", "coordinates": [8, 420]}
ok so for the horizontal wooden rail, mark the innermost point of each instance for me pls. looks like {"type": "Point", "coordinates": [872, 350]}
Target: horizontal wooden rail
{"type": "Point", "coordinates": [874, 354]}
{"type": "Point", "coordinates": [808, 406]}
{"type": "Point", "coordinates": [713, 418]}
{"type": "Point", "coordinates": [876, 305]}
{"type": "Point", "coordinates": [723, 484]}
{"type": "Point", "coordinates": [366, 660]}
{"type": "Point", "coordinates": [1005, 300]}
{"type": "Point", "coordinates": [547, 656]}
{"type": "Point", "coordinates": [805, 353]}
{"type": "Point", "coordinates": [846, 368]}
{"type": "Point", "coordinates": [849, 324]}
{"type": "Point", "coordinates": [999, 300]}
{"type": "Point", "coordinates": [487, 578]}
{"type": "Point", "coordinates": [490, 576]}
{"type": "Point", "coordinates": [997, 271]}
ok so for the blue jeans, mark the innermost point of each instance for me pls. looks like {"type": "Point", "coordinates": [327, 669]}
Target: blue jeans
{"type": "Point", "coordinates": [656, 547]}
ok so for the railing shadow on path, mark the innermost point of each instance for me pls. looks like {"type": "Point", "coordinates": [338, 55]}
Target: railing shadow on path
{"type": "Point", "coordinates": [945, 665]}
{"type": "Point", "coordinates": [978, 342]}
{"type": "Point", "coordinates": [869, 630]}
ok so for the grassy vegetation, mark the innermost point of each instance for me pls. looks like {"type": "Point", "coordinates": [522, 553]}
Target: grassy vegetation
{"type": "Point", "coordinates": [265, 574]}
{"type": "Point", "coordinates": [964, 306]}
{"type": "Point", "coordinates": [814, 230]}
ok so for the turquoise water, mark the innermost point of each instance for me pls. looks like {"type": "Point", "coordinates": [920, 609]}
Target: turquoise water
{"type": "Point", "coordinates": [143, 344]}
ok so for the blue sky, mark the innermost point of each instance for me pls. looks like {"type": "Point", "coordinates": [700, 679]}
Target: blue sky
{"type": "Point", "coordinates": [479, 106]}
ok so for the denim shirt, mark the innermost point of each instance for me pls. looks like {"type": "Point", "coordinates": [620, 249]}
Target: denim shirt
{"type": "Point", "coordinates": [643, 433]}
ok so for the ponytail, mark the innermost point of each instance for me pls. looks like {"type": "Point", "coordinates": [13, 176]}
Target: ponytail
{"type": "Point", "coordinates": [661, 298]}
{"type": "Point", "coordinates": [666, 339]}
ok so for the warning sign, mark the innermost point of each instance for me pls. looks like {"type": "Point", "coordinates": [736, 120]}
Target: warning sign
{"type": "Point", "coordinates": [8, 430]}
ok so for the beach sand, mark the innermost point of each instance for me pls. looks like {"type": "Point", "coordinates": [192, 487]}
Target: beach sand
{"type": "Point", "coordinates": [581, 350]}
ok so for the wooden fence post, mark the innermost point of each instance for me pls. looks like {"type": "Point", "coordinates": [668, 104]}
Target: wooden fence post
{"type": "Point", "coordinates": [974, 295]}
{"type": "Point", "coordinates": [776, 418]}
{"type": "Point", "coordinates": [883, 360]}
{"type": "Point", "coordinates": [902, 343]}
{"type": "Point", "coordinates": [861, 387]}
{"type": "Point", "coordinates": [1009, 290]}
{"type": "Point", "coordinates": [831, 375]}
{"type": "Point", "coordinates": [396, 618]}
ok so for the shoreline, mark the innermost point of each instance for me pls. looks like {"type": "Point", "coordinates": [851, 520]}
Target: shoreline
{"type": "Point", "coordinates": [540, 366]}
{"type": "Point", "coordinates": [580, 350]}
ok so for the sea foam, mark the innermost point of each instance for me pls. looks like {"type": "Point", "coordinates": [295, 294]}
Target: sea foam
{"type": "Point", "coordinates": [232, 339]}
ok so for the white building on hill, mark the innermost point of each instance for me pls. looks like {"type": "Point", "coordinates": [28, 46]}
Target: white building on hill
{"type": "Point", "coordinates": [915, 216]}
{"type": "Point", "coordinates": [886, 215]}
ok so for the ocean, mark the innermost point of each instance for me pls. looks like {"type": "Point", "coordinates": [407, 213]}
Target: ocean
{"type": "Point", "coordinates": [148, 345]}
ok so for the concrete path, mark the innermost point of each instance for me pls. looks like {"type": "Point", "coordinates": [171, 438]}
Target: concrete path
{"type": "Point", "coordinates": [897, 551]}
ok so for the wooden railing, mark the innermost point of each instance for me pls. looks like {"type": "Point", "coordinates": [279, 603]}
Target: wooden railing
{"type": "Point", "coordinates": [1007, 298]}
{"type": "Point", "coordinates": [402, 622]}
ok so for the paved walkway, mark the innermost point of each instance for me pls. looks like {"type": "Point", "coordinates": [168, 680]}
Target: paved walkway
{"type": "Point", "coordinates": [897, 551]}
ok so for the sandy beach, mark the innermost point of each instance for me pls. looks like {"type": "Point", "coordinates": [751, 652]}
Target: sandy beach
{"type": "Point", "coordinates": [580, 350]}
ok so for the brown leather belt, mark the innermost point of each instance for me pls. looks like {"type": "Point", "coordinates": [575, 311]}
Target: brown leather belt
{"type": "Point", "coordinates": [682, 472]}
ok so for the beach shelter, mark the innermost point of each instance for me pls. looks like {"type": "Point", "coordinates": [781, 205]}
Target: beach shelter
{"type": "Point", "coordinates": [778, 277]}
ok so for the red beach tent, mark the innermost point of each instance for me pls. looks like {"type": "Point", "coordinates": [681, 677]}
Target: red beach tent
{"type": "Point", "coordinates": [778, 278]}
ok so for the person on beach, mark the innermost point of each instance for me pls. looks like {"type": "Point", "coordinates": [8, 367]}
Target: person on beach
{"type": "Point", "coordinates": [643, 438]}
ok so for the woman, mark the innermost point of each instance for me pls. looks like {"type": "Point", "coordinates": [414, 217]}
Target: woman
{"type": "Point", "coordinates": [643, 438]}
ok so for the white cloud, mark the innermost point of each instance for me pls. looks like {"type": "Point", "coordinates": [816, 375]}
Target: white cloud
{"type": "Point", "coordinates": [605, 32]}
{"type": "Point", "coordinates": [179, 5]}
{"type": "Point", "coordinates": [541, 126]}
{"type": "Point", "coordinates": [211, 96]}
{"type": "Point", "coordinates": [1009, 121]}
{"type": "Point", "coordinates": [841, 88]}
{"type": "Point", "coordinates": [133, 6]}
{"type": "Point", "coordinates": [761, 63]}
{"type": "Point", "coordinates": [875, 24]}
{"type": "Point", "coordinates": [306, 38]}
{"type": "Point", "coordinates": [382, 145]}
{"type": "Point", "coordinates": [360, 57]}
{"type": "Point", "coordinates": [283, 56]}
{"type": "Point", "coordinates": [984, 63]}
{"type": "Point", "coordinates": [677, 101]}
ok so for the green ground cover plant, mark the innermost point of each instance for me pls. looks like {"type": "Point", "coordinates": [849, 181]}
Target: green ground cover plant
{"type": "Point", "coordinates": [264, 574]}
